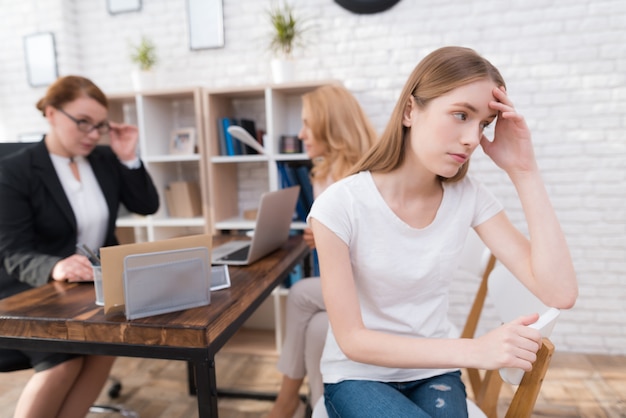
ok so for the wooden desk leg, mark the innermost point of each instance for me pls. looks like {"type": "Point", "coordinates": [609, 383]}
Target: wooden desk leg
{"type": "Point", "coordinates": [206, 387]}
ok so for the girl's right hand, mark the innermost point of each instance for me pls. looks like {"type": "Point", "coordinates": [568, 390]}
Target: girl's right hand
{"type": "Point", "coordinates": [75, 268]}
{"type": "Point", "coordinates": [513, 344]}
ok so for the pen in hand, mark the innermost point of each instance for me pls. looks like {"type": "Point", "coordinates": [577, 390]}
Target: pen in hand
{"type": "Point", "coordinates": [89, 253]}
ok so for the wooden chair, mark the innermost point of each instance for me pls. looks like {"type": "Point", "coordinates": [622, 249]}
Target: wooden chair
{"type": "Point", "coordinates": [486, 385]}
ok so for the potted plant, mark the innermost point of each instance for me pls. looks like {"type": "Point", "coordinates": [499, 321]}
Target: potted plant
{"type": "Point", "coordinates": [287, 30]}
{"type": "Point", "coordinates": [144, 56]}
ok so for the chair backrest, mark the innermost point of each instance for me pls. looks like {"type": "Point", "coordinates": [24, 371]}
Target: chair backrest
{"type": "Point", "coordinates": [12, 360]}
{"type": "Point", "coordinates": [9, 148]}
{"type": "Point", "coordinates": [511, 299]}
{"type": "Point", "coordinates": [475, 256]}
{"type": "Point", "coordinates": [474, 261]}
{"type": "Point", "coordinates": [471, 324]}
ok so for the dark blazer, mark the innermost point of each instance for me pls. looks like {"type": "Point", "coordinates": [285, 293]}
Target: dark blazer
{"type": "Point", "coordinates": [37, 224]}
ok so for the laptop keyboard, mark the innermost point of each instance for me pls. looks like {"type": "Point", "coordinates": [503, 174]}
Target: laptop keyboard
{"type": "Point", "coordinates": [239, 255]}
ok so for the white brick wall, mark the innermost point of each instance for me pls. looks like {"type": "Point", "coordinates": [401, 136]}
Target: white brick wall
{"type": "Point", "coordinates": [564, 62]}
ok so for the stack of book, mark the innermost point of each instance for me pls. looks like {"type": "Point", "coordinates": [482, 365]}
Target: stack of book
{"type": "Point", "coordinates": [294, 173]}
{"type": "Point", "coordinates": [231, 146]}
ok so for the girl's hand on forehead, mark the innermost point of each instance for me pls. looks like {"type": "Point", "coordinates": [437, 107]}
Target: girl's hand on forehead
{"type": "Point", "coordinates": [511, 148]}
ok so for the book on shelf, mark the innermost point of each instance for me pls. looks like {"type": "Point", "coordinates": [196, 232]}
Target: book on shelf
{"type": "Point", "coordinates": [294, 173]}
{"type": "Point", "coordinates": [229, 141]}
{"type": "Point", "coordinates": [249, 126]}
{"type": "Point", "coordinates": [299, 173]}
{"type": "Point", "coordinates": [221, 132]}
{"type": "Point", "coordinates": [303, 175]}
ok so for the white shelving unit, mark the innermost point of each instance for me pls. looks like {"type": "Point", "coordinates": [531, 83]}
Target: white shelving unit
{"type": "Point", "coordinates": [277, 110]}
{"type": "Point", "coordinates": [228, 184]}
{"type": "Point", "coordinates": [158, 114]}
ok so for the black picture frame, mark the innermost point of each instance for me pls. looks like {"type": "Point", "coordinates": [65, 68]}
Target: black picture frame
{"type": "Point", "coordinates": [367, 6]}
{"type": "Point", "coordinates": [123, 6]}
{"type": "Point", "coordinates": [40, 59]}
{"type": "Point", "coordinates": [205, 22]}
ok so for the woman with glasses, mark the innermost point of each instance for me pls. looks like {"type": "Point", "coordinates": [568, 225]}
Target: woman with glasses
{"type": "Point", "coordinates": [59, 193]}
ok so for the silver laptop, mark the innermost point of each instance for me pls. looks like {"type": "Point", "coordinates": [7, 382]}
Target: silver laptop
{"type": "Point", "coordinates": [273, 222]}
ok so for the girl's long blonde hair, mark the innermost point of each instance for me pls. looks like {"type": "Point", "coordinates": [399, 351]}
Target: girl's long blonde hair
{"type": "Point", "coordinates": [438, 73]}
{"type": "Point", "coordinates": [337, 120]}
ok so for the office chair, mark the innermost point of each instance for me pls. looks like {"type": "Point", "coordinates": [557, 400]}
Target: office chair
{"type": "Point", "coordinates": [11, 360]}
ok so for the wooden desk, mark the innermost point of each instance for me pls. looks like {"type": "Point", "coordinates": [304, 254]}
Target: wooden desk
{"type": "Point", "coordinates": [63, 317]}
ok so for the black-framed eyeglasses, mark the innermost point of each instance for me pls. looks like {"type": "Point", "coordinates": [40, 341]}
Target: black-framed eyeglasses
{"type": "Point", "coordinates": [86, 126]}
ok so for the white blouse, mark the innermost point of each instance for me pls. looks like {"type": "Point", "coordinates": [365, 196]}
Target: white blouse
{"type": "Point", "coordinates": [86, 198]}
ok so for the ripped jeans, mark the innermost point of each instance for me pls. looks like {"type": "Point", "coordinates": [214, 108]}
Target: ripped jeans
{"type": "Point", "coordinates": [440, 396]}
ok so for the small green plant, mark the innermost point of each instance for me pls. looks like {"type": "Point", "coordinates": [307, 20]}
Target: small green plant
{"type": "Point", "coordinates": [287, 29]}
{"type": "Point", "coordinates": [144, 54]}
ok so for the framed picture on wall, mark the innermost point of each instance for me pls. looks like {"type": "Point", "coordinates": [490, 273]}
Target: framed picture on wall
{"type": "Point", "coordinates": [183, 141]}
{"type": "Point", "coordinates": [123, 6]}
{"type": "Point", "coordinates": [41, 59]}
{"type": "Point", "coordinates": [206, 24]}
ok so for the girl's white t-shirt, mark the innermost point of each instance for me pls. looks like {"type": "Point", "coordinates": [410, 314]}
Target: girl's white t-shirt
{"type": "Point", "coordinates": [402, 274]}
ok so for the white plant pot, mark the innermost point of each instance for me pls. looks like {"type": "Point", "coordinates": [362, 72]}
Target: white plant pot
{"type": "Point", "coordinates": [283, 70]}
{"type": "Point", "coordinates": [143, 80]}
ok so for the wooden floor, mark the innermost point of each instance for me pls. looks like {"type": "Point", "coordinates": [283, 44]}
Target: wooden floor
{"type": "Point", "coordinates": [576, 385]}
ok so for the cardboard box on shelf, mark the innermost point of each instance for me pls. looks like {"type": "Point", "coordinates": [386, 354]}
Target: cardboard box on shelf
{"type": "Point", "coordinates": [183, 199]}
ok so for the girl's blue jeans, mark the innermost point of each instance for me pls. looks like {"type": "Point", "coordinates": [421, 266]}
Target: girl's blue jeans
{"type": "Point", "coordinates": [440, 396]}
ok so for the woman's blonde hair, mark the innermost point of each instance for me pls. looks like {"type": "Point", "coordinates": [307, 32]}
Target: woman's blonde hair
{"type": "Point", "coordinates": [69, 88]}
{"type": "Point", "coordinates": [337, 120]}
{"type": "Point", "coordinates": [438, 73]}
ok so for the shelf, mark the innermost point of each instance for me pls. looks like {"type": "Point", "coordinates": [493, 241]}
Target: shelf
{"type": "Point", "coordinates": [234, 183]}
{"type": "Point", "coordinates": [235, 223]}
{"type": "Point", "coordinates": [231, 159]}
{"type": "Point", "coordinates": [158, 114]}
{"type": "Point", "coordinates": [291, 157]}
{"type": "Point", "coordinates": [172, 158]}
{"type": "Point", "coordinates": [131, 221]}
{"type": "Point", "coordinates": [177, 222]}
{"type": "Point", "coordinates": [246, 224]}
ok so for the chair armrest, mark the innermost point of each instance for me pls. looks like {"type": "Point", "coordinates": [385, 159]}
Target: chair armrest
{"type": "Point", "coordinates": [525, 397]}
